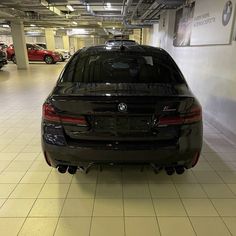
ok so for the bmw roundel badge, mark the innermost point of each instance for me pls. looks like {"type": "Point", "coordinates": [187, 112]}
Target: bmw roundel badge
{"type": "Point", "coordinates": [122, 107]}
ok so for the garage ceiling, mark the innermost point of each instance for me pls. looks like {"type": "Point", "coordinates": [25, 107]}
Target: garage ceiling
{"type": "Point", "coordinates": [101, 17]}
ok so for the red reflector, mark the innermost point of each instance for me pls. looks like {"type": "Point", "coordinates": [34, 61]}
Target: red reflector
{"type": "Point", "coordinates": [50, 114]}
{"type": "Point", "coordinates": [79, 120]}
{"type": "Point", "coordinates": [175, 120]}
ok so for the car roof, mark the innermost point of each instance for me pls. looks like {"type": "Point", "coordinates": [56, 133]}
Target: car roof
{"type": "Point", "coordinates": [125, 48]}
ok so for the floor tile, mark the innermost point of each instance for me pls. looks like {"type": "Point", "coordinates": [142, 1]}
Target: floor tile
{"type": "Point", "coordinates": [207, 177]}
{"type": "Point", "coordinates": [16, 207]}
{"type": "Point", "coordinates": [169, 207]}
{"type": "Point", "coordinates": [186, 177]}
{"type": "Point", "coordinates": [6, 189]}
{"type": "Point", "coordinates": [10, 226]}
{"type": "Point", "coordinates": [231, 224]}
{"type": "Point", "coordinates": [78, 207]}
{"type": "Point", "coordinates": [109, 191]}
{"type": "Point", "coordinates": [90, 178]}
{"type": "Point", "coordinates": [232, 188]}
{"type": "Point", "coordinates": [107, 226]}
{"type": "Point", "coordinates": [170, 226]}
{"type": "Point", "coordinates": [228, 177]}
{"type": "Point", "coordinates": [204, 226]}
{"type": "Point", "coordinates": [160, 178]}
{"type": "Point", "coordinates": [136, 191]}
{"type": "Point", "coordinates": [82, 191]}
{"type": "Point", "coordinates": [163, 191]}
{"type": "Point", "coordinates": [218, 191]}
{"type": "Point", "coordinates": [73, 226]}
{"type": "Point", "coordinates": [190, 191]}
{"type": "Point", "coordinates": [140, 226]}
{"type": "Point", "coordinates": [26, 191]}
{"type": "Point", "coordinates": [38, 227]}
{"type": "Point", "coordinates": [58, 178]}
{"type": "Point", "coordinates": [47, 208]}
{"type": "Point", "coordinates": [199, 207]}
{"type": "Point", "coordinates": [225, 207]}
{"type": "Point", "coordinates": [108, 207]}
{"type": "Point", "coordinates": [54, 191]}
{"type": "Point", "coordinates": [138, 207]}
{"type": "Point", "coordinates": [110, 176]}
{"type": "Point", "coordinates": [11, 177]}
{"type": "Point", "coordinates": [34, 177]}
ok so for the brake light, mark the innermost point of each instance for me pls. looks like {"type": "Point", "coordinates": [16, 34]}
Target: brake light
{"type": "Point", "coordinates": [194, 115]}
{"type": "Point", "coordinates": [50, 114]}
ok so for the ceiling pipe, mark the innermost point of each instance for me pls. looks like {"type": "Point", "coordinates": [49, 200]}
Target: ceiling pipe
{"type": "Point", "coordinates": [150, 10]}
{"type": "Point", "coordinates": [155, 12]}
{"type": "Point", "coordinates": [136, 9]}
{"type": "Point", "coordinates": [129, 3]}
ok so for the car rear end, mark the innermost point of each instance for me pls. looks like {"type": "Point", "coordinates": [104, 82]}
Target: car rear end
{"type": "Point", "coordinates": [111, 106]}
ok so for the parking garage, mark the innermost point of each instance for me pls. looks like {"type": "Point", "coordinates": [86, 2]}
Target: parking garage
{"type": "Point", "coordinates": [38, 40]}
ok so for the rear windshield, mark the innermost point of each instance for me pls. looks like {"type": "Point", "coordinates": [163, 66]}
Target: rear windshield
{"type": "Point", "coordinates": [122, 67]}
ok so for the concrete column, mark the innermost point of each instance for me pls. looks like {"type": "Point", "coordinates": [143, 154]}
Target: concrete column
{"type": "Point", "coordinates": [75, 43]}
{"type": "Point", "coordinates": [66, 42]}
{"type": "Point", "coordinates": [18, 36]}
{"type": "Point", "coordinates": [80, 42]}
{"type": "Point", "coordinates": [50, 40]}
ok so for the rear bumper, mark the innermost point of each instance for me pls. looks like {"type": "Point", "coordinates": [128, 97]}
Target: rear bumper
{"type": "Point", "coordinates": [163, 156]}
{"type": "Point", "coordinates": [179, 151]}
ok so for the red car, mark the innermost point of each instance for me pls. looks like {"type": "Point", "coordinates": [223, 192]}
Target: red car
{"type": "Point", "coordinates": [35, 53]}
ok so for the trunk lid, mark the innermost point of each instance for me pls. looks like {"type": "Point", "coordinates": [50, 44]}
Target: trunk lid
{"type": "Point", "coordinates": [100, 105]}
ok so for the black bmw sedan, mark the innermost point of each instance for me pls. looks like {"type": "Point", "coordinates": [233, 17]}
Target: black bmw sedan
{"type": "Point", "coordinates": [121, 104]}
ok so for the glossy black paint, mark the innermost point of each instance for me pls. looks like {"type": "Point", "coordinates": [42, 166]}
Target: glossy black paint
{"type": "Point", "coordinates": [112, 136]}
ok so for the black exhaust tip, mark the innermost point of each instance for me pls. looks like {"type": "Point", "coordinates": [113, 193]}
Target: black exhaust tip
{"type": "Point", "coordinates": [170, 170]}
{"type": "Point", "coordinates": [72, 169]}
{"type": "Point", "coordinates": [179, 170]}
{"type": "Point", "coordinates": [62, 169]}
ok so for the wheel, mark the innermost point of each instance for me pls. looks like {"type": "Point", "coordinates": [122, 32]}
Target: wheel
{"type": "Point", "coordinates": [48, 59]}
{"type": "Point", "coordinates": [13, 58]}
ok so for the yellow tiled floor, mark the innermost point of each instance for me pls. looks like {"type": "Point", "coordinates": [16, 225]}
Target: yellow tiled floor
{"type": "Point", "coordinates": [36, 200]}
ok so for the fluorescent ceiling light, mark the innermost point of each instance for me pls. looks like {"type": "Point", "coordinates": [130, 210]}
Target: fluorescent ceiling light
{"type": "Point", "coordinates": [72, 32]}
{"type": "Point", "coordinates": [108, 5]}
{"type": "Point", "coordinates": [32, 25]}
{"type": "Point", "coordinates": [5, 26]}
{"type": "Point", "coordinates": [74, 23]}
{"type": "Point", "coordinates": [70, 7]}
{"type": "Point", "coordinates": [88, 7]}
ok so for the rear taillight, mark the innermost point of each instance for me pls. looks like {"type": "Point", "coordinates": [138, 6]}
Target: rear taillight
{"type": "Point", "coordinates": [194, 115]}
{"type": "Point", "coordinates": [50, 114]}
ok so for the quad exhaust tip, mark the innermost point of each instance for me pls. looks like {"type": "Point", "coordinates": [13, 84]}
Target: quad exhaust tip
{"type": "Point", "coordinates": [62, 169]}
{"type": "Point", "coordinates": [73, 169]}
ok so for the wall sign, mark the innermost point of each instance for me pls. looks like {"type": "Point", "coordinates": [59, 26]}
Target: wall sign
{"type": "Point", "coordinates": [204, 23]}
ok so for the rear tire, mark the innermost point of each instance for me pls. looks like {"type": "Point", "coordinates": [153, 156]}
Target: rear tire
{"type": "Point", "coordinates": [48, 59]}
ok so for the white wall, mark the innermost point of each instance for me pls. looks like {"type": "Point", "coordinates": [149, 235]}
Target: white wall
{"type": "Point", "coordinates": [209, 70]}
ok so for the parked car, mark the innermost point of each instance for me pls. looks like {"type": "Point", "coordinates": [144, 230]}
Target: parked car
{"type": "Point", "coordinates": [43, 45]}
{"type": "Point", "coordinates": [35, 53]}
{"type": "Point", "coordinates": [122, 105]}
{"type": "Point", "coordinates": [65, 54]}
{"type": "Point", "coordinates": [3, 57]}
